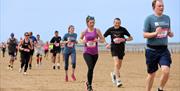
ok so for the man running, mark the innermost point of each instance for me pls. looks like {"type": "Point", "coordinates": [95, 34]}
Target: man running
{"type": "Point", "coordinates": [39, 50]}
{"type": "Point", "coordinates": [12, 47]}
{"type": "Point", "coordinates": [32, 50]}
{"type": "Point", "coordinates": [56, 49]}
{"type": "Point", "coordinates": [3, 48]}
{"type": "Point", "coordinates": [156, 31]}
{"type": "Point", "coordinates": [118, 40]}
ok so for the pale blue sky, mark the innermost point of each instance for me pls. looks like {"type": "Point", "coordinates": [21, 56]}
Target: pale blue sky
{"type": "Point", "coordinates": [45, 16]}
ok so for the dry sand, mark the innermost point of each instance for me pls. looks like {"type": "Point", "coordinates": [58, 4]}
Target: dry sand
{"type": "Point", "coordinates": [44, 78]}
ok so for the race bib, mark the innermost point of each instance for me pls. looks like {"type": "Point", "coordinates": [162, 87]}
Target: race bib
{"type": "Point", "coordinates": [118, 40]}
{"type": "Point", "coordinates": [57, 44]}
{"type": "Point", "coordinates": [70, 44]}
{"type": "Point", "coordinates": [26, 50]}
{"type": "Point", "coordinates": [91, 44]}
{"type": "Point", "coordinates": [164, 33]}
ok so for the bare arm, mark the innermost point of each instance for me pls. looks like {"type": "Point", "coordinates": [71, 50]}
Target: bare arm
{"type": "Point", "coordinates": [101, 38]}
{"type": "Point", "coordinates": [130, 38]}
{"type": "Point", "coordinates": [81, 40]}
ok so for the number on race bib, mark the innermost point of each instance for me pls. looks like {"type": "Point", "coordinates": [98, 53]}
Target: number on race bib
{"type": "Point", "coordinates": [91, 44]}
{"type": "Point", "coordinates": [70, 44]}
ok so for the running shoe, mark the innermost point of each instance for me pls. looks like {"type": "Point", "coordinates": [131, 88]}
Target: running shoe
{"type": "Point", "coordinates": [54, 67]}
{"type": "Point", "coordinates": [25, 73]}
{"type": "Point", "coordinates": [113, 77]}
{"type": "Point", "coordinates": [118, 83]}
{"type": "Point", "coordinates": [73, 77]}
{"type": "Point", "coordinates": [159, 89]}
{"type": "Point", "coordinates": [88, 87]}
{"type": "Point", "coordinates": [11, 68]}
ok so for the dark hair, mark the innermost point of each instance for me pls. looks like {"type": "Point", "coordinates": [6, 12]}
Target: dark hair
{"type": "Point", "coordinates": [89, 18]}
{"type": "Point", "coordinates": [117, 19]}
{"type": "Point", "coordinates": [56, 31]}
{"type": "Point", "coordinates": [154, 3]}
{"type": "Point", "coordinates": [70, 26]}
{"type": "Point", "coordinates": [26, 34]}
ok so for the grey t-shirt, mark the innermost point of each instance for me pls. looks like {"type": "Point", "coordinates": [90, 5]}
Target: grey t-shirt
{"type": "Point", "coordinates": [150, 25]}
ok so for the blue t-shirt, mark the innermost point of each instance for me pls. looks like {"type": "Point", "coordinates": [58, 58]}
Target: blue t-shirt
{"type": "Point", "coordinates": [150, 25]}
{"type": "Point", "coordinates": [33, 38]}
{"type": "Point", "coordinates": [70, 47]}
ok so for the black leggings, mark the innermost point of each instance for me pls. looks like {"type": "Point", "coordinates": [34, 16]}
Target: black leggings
{"type": "Point", "coordinates": [25, 60]}
{"type": "Point", "coordinates": [91, 62]}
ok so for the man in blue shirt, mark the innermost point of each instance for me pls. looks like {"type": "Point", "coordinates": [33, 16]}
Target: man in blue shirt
{"type": "Point", "coordinates": [33, 38]}
{"type": "Point", "coordinates": [156, 31]}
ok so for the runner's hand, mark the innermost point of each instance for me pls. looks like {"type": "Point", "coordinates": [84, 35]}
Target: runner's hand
{"type": "Point", "coordinates": [108, 46]}
{"type": "Point", "coordinates": [26, 50]}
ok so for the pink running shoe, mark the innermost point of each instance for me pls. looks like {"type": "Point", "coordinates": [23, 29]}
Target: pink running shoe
{"type": "Point", "coordinates": [73, 77]}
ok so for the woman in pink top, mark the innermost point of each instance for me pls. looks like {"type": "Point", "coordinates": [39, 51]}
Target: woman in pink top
{"type": "Point", "coordinates": [90, 38]}
{"type": "Point", "coordinates": [46, 49]}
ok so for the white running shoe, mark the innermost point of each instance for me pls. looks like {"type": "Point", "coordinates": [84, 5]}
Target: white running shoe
{"type": "Point", "coordinates": [118, 83]}
{"type": "Point", "coordinates": [113, 77]}
{"type": "Point", "coordinates": [25, 73]}
{"type": "Point", "coordinates": [11, 68]}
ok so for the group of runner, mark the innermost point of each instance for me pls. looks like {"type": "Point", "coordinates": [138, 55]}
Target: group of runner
{"type": "Point", "coordinates": [156, 31]}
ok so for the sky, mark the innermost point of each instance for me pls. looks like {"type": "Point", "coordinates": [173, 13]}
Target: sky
{"type": "Point", "coordinates": [45, 16]}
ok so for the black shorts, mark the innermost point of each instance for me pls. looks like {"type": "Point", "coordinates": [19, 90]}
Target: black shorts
{"type": "Point", "coordinates": [38, 55]}
{"type": "Point", "coordinates": [55, 51]}
{"type": "Point", "coordinates": [118, 50]}
{"type": "Point", "coordinates": [46, 51]}
{"type": "Point", "coordinates": [13, 54]}
{"type": "Point", "coordinates": [31, 52]}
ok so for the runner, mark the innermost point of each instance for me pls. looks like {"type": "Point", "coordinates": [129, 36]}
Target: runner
{"type": "Point", "coordinates": [118, 40]}
{"type": "Point", "coordinates": [25, 46]}
{"type": "Point", "coordinates": [156, 31]}
{"type": "Point", "coordinates": [69, 50]}
{"type": "Point", "coordinates": [12, 47]}
{"type": "Point", "coordinates": [3, 48]}
{"type": "Point", "coordinates": [90, 38]}
{"type": "Point", "coordinates": [56, 49]}
{"type": "Point", "coordinates": [32, 50]}
{"type": "Point", "coordinates": [39, 50]}
{"type": "Point", "coordinates": [46, 50]}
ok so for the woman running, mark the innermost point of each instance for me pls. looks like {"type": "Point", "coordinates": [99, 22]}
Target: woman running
{"type": "Point", "coordinates": [69, 50]}
{"type": "Point", "coordinates": [25, 46]}
{"type": "Point", "coordinates": [90, 38]}
{"type": "Point", "coordinates": [46, 49]}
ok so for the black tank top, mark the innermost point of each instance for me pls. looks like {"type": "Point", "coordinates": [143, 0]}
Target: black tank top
{"type": "Point", "coordinates": [26, 44]}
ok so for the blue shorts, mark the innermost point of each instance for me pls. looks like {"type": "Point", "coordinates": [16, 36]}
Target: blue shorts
{"type": "Point", "coordinates": [157, 57]}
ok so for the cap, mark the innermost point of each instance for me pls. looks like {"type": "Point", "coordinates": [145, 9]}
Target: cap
{"type": "Point", "coordinates": [12, 35]}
